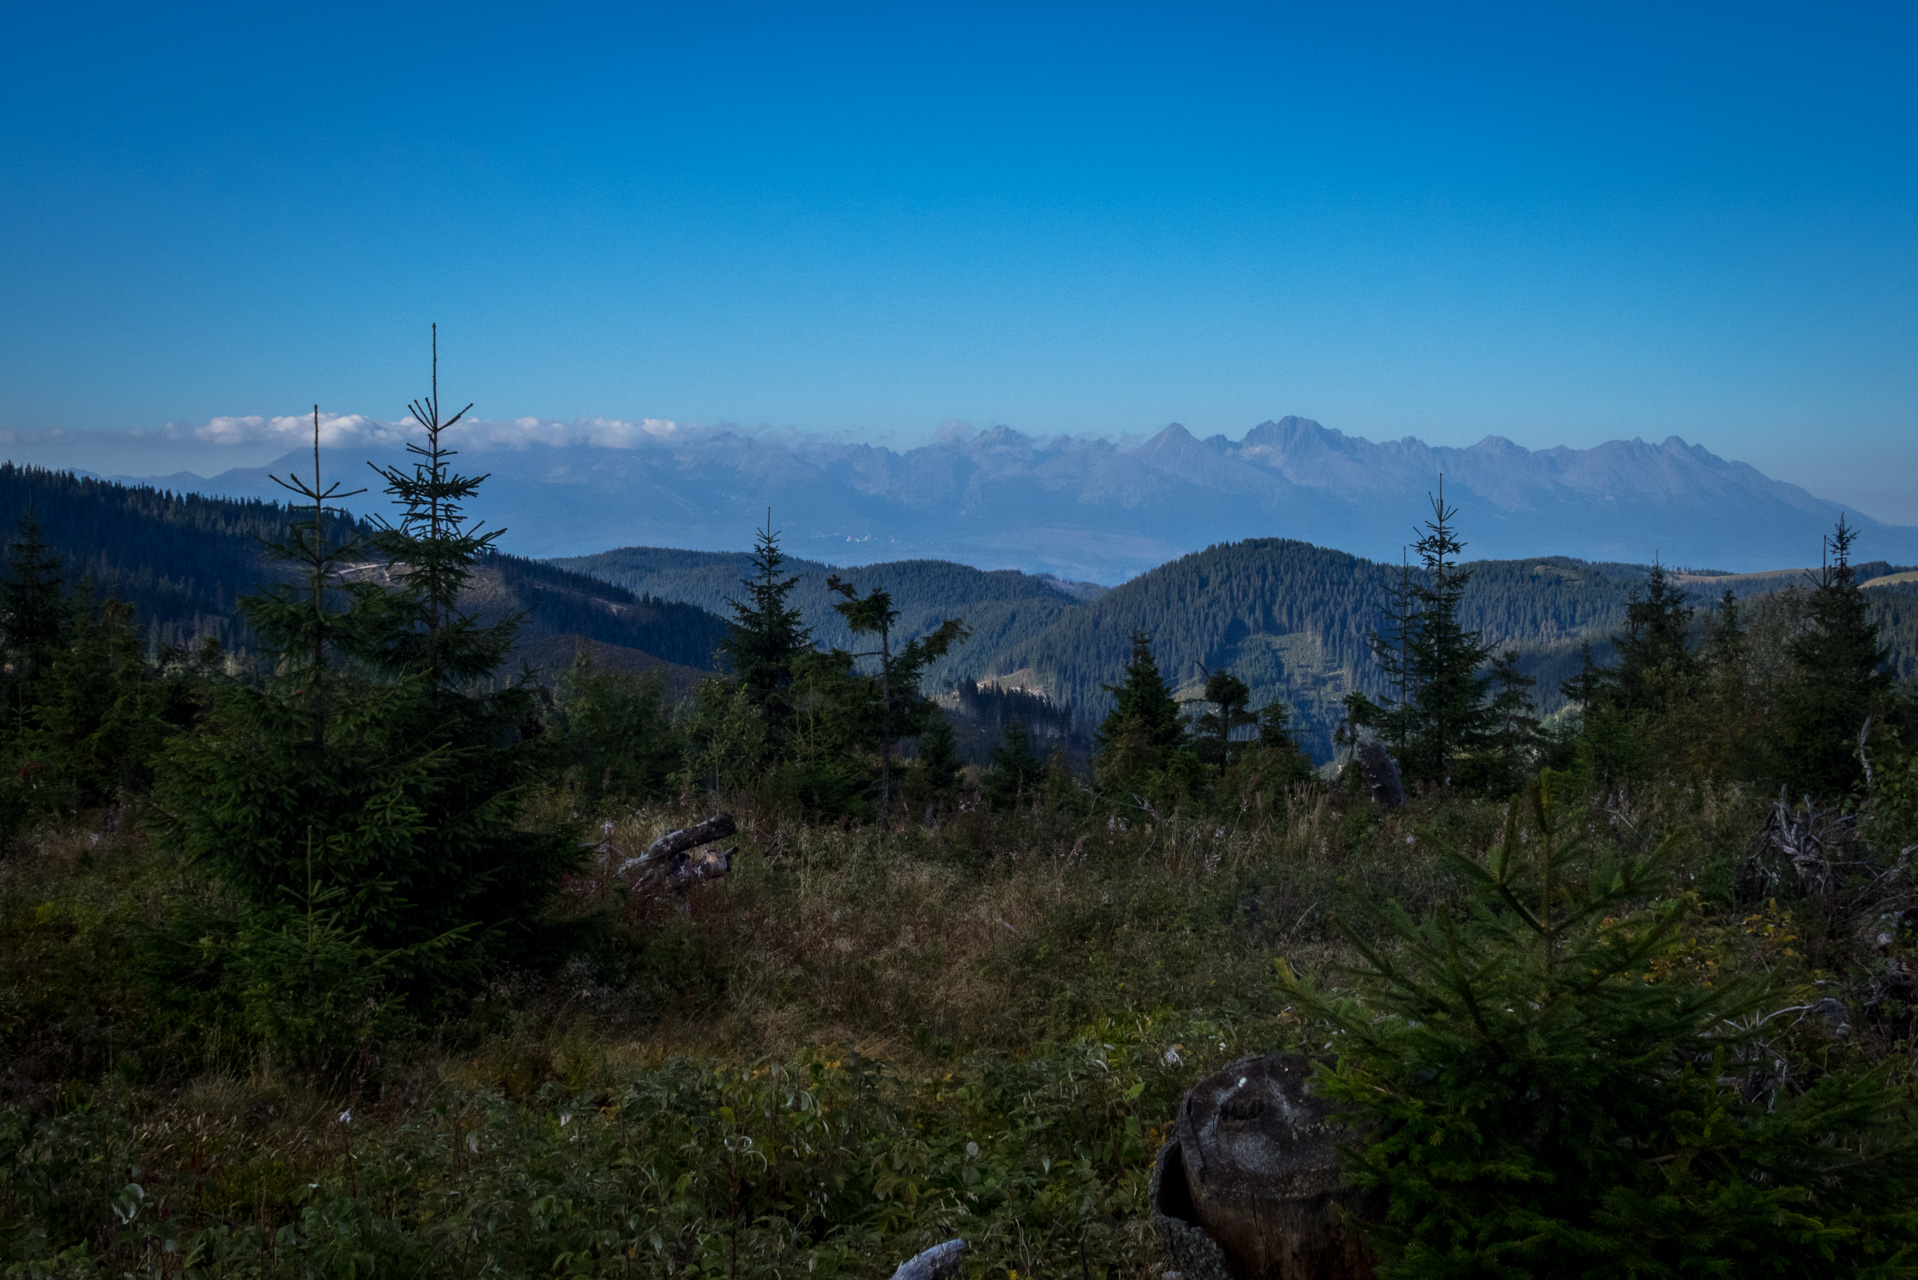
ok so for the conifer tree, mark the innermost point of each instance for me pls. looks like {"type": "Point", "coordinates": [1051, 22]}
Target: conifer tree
{"type": "Point", "coordinates": [1230, 698]}
{"type": "Point", "coordinates": [617, 740]}
{"type": "Point", "coordinates": [374, 773]}
{"type": "Point", "coordinates": [766, 636]}
{"type": "Point", "coordinates": [1275, 728]}
{"type": "Point", "coordinates": [1585, 688]}
{"type": "Point", "coordinates": [1144, 702]}
{"type": "Point", "coordinates": [1542, 1090]}
{"type": "Point", "coordinates": [1656, 666]}
{"type": "Point", "coordinates": [1839, 683]}
{"type": "Point", "coordinates": [431, 553]}
{"type": "Point", "coordinates": [939, 761]}
{"type": "Point", "coordinates": [1392, 650]}
{"type": "Point", "coordinates": [1142, 741]}
{"type": "Point", "coordinates": [901, 706]}
{"type": "Point", "coordinates": [1735, 714]}
{"type": "Point", "coordinates": [1015, 771]}
{"type": "Point", "coordinates": [34, 611]}
{"type": "Point", "coordinates": [1445, 712]}
{"type": "Point", "coordinates": [1727, 647]}
{"type": "Point", "coordinates": [1279, 758]}
{"type": "Point", "coordinates": [98, 714]}
{"type": "Point", "coordinates": [1512, 739]}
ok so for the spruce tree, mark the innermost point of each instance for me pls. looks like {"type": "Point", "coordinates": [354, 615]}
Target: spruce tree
{"type": "Point", "coordinates": [1142, 741]}
{"type": "Point", "coordinates": [34, 611]}
{"type": "Point", "coordinates": [1838, 686]}
{"type": "Point", "coordinates": [1015, 771]}
{"type": "Point", "coordinates": [1512, 739]}
{"type": "Point", "coordinates": [99, 713]}
{"type": "Point", "coordinates": [1275, 728]}
{"type": "Point", "coordinates": [1734, 716]}
{"type": "Point", "coordinates": [431, 553]}
{"type": "Point", "coordinates": [1542, 1088]}
{"type": "Point", "coordinates": [1229, 697]}
{"type": "Point", "coordinates": [939, 761]}
{"type": "Point", "coordinates": [1656, 667]}
{"type": "Point", "coordinates": [375, 773]}
{"type": "Point", "coordinates": [1144, 702]}
{"type": "Point", "coordinates": [765, 636]}
{"type": "Point", "coordinates": [902, 709]}
{"type": "Point", "coordinates": [1392, 651]}
{"type": "Point", "coordinates": [617, 741]}
{"type": "Point", "coordinates": [1281, 759]}
{"type": "Point", "coordinates": [1445, 713]}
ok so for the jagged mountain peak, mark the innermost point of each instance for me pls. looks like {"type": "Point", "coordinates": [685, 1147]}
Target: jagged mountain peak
{"type": "Point", "coordinates": [1088, 509]}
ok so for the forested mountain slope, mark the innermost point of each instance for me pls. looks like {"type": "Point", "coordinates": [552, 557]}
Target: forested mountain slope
{"type": "Point", "coordinates": [183, 561]}
{"type": "Point", "coordinates": [1288, 617]}
{"type": "Point", "coordinates": [1003, 607]}
{"type": "Point", "coordinates": [1292, 621]}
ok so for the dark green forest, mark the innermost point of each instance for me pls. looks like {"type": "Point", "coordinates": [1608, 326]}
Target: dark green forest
{"type": "Point", "coordinates": [183, 561]}
{"type": "Point", "coordinates": [337, 941]}
{"type": "Point", "coordinates": [1289, 618]}
{"type": "Point", "coordinates": [1002, 607]}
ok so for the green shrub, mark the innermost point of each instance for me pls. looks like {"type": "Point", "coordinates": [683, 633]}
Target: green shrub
{"type": "Point", "coordinates": [1542, 1090]}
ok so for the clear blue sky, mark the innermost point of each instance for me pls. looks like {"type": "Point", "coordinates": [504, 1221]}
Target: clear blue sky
{"type": "Point", "coordinates": [1561, 223]}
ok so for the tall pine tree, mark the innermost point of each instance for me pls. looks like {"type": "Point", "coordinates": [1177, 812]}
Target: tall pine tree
{"type": "Point", "coordinates": [1230, 699]}
{"type": "Point", "coordinates": [35, 615]}
{"type": "Point", "coordinates": [903, 710]}
{"type": "Point", "coordinates": [1145, 731]}
{"type": "Point", "coordinates": [1656, 666]}
{"type": "Point", "coordinates": [766, 636]}
{"type": "Point", "coordinates": [1839, 685]}
{"type": "Point", "coordinates": [376, 774]}
{"type": "Point", "coordinates": [1445, 713]}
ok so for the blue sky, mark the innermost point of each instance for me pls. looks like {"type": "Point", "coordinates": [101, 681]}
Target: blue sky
{"type": "Point", "coordinates": [1560, 223]}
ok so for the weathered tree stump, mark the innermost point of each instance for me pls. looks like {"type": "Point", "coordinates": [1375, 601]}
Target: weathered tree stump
{"type": "Point", "coordinates": [1381, 773]}
{"type": "Point", "coordinates": [1248, 1186]}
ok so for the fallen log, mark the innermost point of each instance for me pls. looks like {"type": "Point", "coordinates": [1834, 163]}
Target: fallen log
{"type": "Point", "coordinates": [1248, 1185]}
{"type": "Point", "coordinates": [941, 1262]}
{"type": "Point", "coordinates": [717, 827]}
{"type": "Point", "coordinates": [672, 861]}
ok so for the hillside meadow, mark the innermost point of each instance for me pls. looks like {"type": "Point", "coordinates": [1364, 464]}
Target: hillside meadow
{"type": "Point", "coordinates": [856, 1045]}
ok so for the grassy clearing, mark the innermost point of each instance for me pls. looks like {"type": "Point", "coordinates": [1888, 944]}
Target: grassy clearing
{"type": "Point", "coordinates": [856, 1045]}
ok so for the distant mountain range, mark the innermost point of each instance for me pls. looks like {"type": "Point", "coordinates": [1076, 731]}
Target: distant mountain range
{"type": "Point", "coordinates": [1288, 617]}
{"type": "Point", "coordinates": [1087, 509]}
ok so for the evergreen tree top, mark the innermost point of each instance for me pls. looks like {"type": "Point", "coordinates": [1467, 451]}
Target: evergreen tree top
{"type": "Point", "coordinates": [766, 633]}
{"type": "Point", "coordinates": [1143, 699]}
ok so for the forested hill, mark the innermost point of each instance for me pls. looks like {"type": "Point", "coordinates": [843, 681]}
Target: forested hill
{"type": "Point", "coordinates": [1288, 617]}
{"type": "Point", "coordinates": [183, 561]}
{"type": "Point", "coordinates": [1003, 608]}
{"type": "Point", "coordinates": [1291, 620]}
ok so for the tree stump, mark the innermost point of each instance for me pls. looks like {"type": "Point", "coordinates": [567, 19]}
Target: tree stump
{"type": "Point", "coordinates": [1248, 1186]}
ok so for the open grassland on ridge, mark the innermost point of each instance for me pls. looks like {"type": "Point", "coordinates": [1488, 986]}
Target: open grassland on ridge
{"type": "Point", "coordinates": [855, 1046]}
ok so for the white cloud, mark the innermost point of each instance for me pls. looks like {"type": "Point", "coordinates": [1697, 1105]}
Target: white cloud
{"type": "Point", "coordinates": [603, 433]}
{"type": "Point", "coordinates": [335, 429]}
{"type": "Point", "coordinates": [348, 429]}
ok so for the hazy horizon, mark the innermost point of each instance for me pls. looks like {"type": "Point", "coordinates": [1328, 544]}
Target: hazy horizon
{"type": "Point", "coordinates": [1559, 227]}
